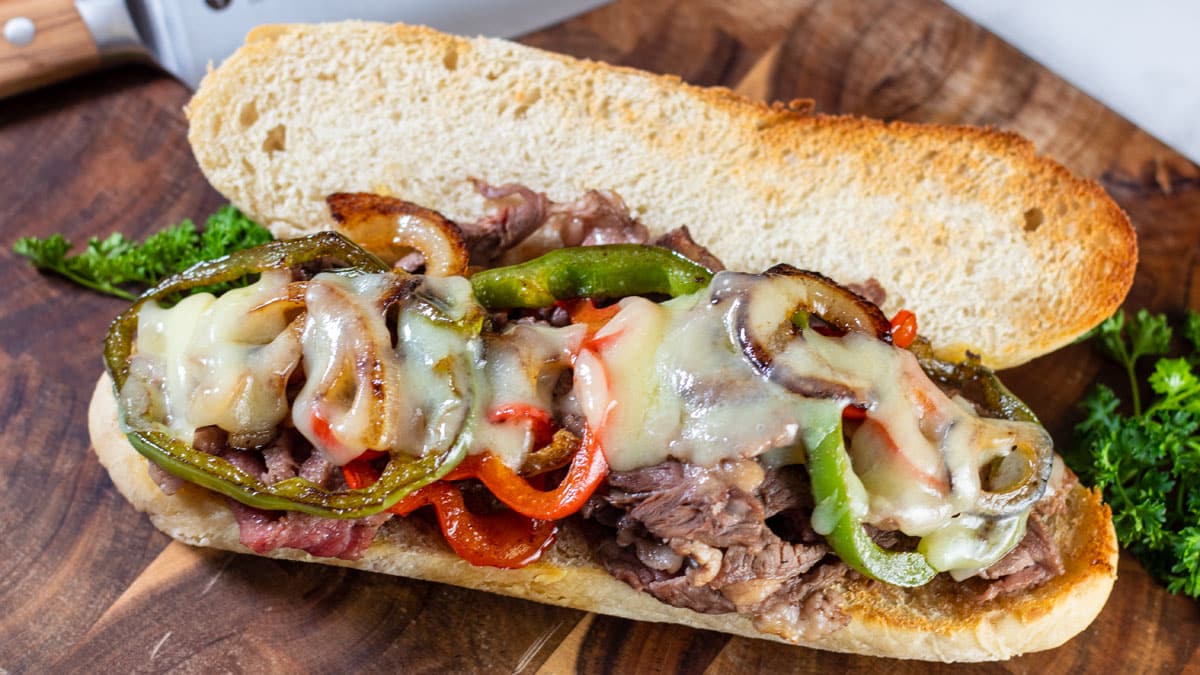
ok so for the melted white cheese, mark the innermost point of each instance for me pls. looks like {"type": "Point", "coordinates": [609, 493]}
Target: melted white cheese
{"type": "Point", "coordinates": [657, 381]}
{"type": "Point", "coordinates": [665, 381]}
{"type": "Point", "coordinates": [522, 367]}
{"type": "Point", "coordinates": [353, 398]}
{"type": "Point", "coordinates": [226, 361]}
{"type": "Point", "coordinates": [223, 361]}
{"type": "Point", "coordinates": [668, 380]}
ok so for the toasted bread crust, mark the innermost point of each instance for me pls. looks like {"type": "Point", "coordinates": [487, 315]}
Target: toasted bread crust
{"type": "Point", "coordinates": [1037, 255]}
{"type": "Point", "coordinates": [931, 623]}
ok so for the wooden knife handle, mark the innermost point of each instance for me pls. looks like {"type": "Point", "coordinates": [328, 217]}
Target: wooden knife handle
{"type": "Point", "coordinates": [42, 41]}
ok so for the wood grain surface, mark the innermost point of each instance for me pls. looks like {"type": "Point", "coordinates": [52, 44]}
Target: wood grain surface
{"type": "Point", "coordinates": [87, 584]}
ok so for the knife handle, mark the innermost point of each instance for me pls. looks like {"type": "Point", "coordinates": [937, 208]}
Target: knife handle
{"type": "Point", "coordinates": [42, 41]}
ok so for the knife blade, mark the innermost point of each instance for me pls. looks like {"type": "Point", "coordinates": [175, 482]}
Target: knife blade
{"type": "Point", "coordinates": [48, 40]}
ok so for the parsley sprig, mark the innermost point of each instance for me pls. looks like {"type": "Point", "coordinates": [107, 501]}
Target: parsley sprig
{"type": "Point", "coordinates": [1148, 462]}
{"type": "Point", "coordinates": [115, 264]}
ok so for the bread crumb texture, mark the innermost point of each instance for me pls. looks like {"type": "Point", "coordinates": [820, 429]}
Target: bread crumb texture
{"type": "Point", "coordinates": [996, 250]}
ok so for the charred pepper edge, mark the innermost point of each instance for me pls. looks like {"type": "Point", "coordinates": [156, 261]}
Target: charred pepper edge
{"type": "Point", "coordinates": [997, 398]}
{"type": "Point", "coordinates": [601, 271]}
{"type": "Point", "coordinates": [610, 271]}
{"type": "Point", "coordinates": [598, 272]}
{"type": "Point", "coordinates": [178, 457]}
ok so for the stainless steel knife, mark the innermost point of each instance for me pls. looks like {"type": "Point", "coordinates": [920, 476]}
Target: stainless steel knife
{"type": "Point", "coordinates": [45, 41]}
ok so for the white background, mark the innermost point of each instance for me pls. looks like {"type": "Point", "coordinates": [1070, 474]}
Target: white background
{"type": "Point", "coordinates": [1139, 57]}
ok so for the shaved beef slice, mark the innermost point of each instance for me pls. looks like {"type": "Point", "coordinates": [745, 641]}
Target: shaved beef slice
{"type": "Point", "coordinates": [679, 592]}
{"type": "Point", "coordinates": [521, 212]}
{"type": "Point", "coordinates": [279, 457]}
{"type": "Point", "coordinates": [807, 607]}
{"type": "Point", "coordinates": [870, 289]}
{"type": "Point", "coordinates": [263, 531]}
{"type": "Point", "coordinates": [779, 572]}
{"type": "Point", "coordinates": [1036, 559]}
{"type": "Point", "coordinates": [690, 502]}
{"type": "Point", "coordinates": [715, 519]}
{"type": "Point", "coordinates": [317, 469]}
{"type": "Point", "coordinates": [1033, 562]}
{"type": "Point", "coordinates": [680, 240]}
{"type": "Point", "coordinates": [597, 217]}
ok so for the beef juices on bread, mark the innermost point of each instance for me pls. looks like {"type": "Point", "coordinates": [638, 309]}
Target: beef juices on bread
{"type": "Point", "coordinates": [756, 455]}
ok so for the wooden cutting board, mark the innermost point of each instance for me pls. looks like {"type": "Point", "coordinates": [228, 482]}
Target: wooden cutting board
{"type": "Point", "coordinates": [86, 583]}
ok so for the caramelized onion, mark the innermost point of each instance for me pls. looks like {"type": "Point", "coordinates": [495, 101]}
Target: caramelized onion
{"type": "Point", "coordinates": [762, 324]}
{"type": "Point", "coordinates": [291, 297]}
{"type": "Point", "coordinates": [554, 455]}
{"type": "Point", "coordinates": [394, 229]}
{"type": "Point", "coordinates": [834, 304]}
{"type": "Point", "coordinates": [1013, 482]}
{"type": "Point", "coordinates": [352, 398]}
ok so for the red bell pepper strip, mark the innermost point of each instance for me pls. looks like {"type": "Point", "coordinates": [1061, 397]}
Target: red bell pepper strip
{"type": "Point", "coordinates": [585, 312]}
{"type": "Point", "coordinates": [540, 422]}
{"type": "Point", "coordinates": [504, 539]}
{"type": "Point", "coordinates": [852, 412]}
{"type": "Point", "coordinates": [588, 469]}
{"type": "Point", "coordinates": [904, 328]}
{"type": "Point", "coordinates": [360, 474]}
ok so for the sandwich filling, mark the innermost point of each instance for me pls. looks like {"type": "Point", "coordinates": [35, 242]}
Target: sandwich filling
{"type": "Point", "coordinates": [739, 447]}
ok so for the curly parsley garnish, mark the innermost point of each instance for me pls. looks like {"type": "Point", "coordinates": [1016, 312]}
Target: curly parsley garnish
{"type": "Point", "coordinates": [115, 264]}
{"type": "Point", "coordinates": [1148, 462]}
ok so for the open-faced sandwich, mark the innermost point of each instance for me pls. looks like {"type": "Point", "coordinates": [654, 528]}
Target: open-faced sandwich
{"type": "Point", "coordinates": [539, 355]}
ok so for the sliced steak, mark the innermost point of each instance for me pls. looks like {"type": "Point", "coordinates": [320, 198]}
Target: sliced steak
{"type": "Point", "coordinates": [287, 456]}
{"type": "Point", "coordinates": [623, 563]}
{"type": "Point", "coordinates": [680, 240]}
{"type": "Point", "coordinates": [1033, 562]}
{"type": "Point", "coordinates": [524, 216]}
{"type": "Point", "coordinates": [715, 521]}
{"type": "Point", "coordinates": [279, 457]}
{"type": "Point", "coordinates": [520, 213]}
{"type": "Point", "coordinates": [249, 461]}
{"type": "Point", "coordinates": [871, 290]}
{"type": "Point", "coordinates": [785, 488]}
{"type": "Point", "coordinates": [679, 592]}
{"type": "Point", "coordinates": [678, 501]}
{"type": "Point", "coordinates": [263, 531]}
{"type": "Point", "coordinates": [317, 469]}
{"type": "Point", "coordinates": [751, 575]}
{"type": "Point", "coordinates": [1037, 558]}
{"type": "Point", "coordinates": [807, 607]}
{"type": "Point", "coordinates": [598, 217]}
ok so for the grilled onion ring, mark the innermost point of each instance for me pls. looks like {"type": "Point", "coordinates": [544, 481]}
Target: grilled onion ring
{"type": "Point", "coordinates": [1014, 482]}
{"type": "Point", "coordinates": [393, 229]}
{"type": "Point", "coordinates": [835, 304]}
{"type": "Point", "coordinates": [762, 323]}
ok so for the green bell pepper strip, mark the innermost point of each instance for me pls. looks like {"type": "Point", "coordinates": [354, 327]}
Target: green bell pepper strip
{"type": "Point", "coordinates": [841, 506]}
{"type": "Point", "coordinates": [178, 457]}
{"type": "Point", "coordinates": [598, 272]}
{"type": "Point", "coordinates": [976, 381]}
